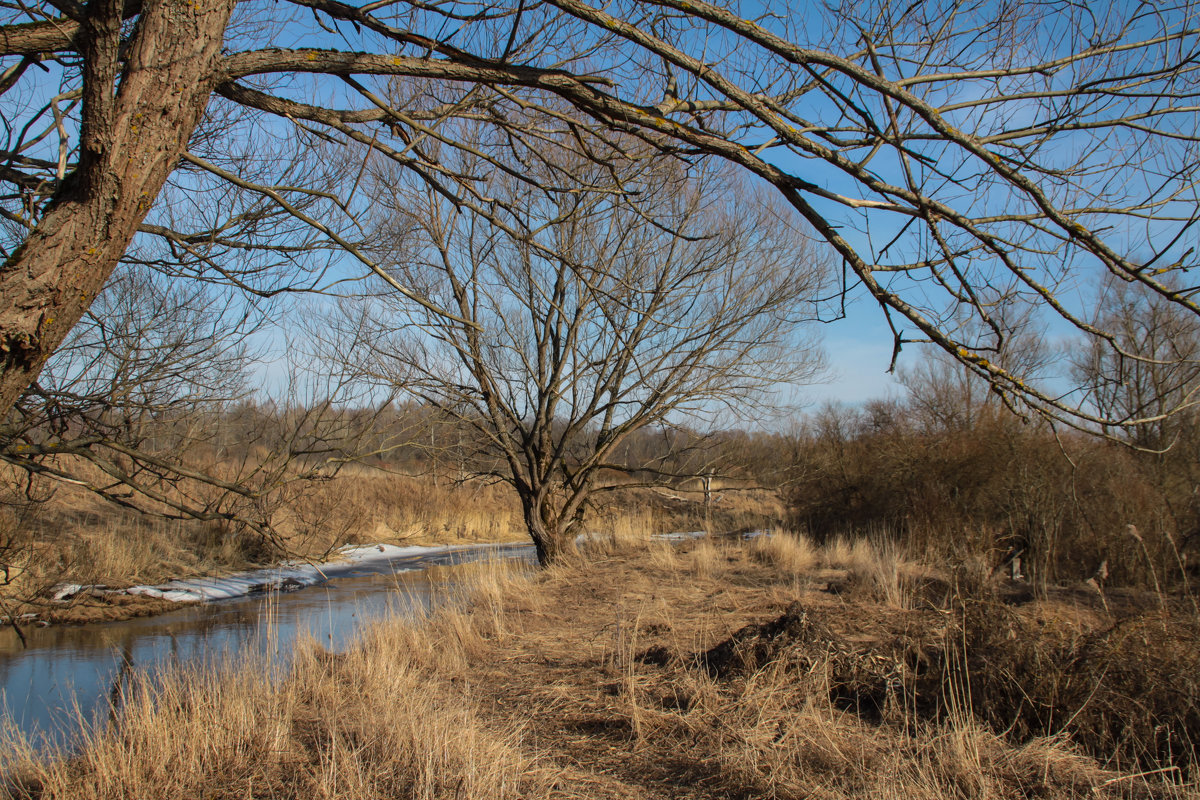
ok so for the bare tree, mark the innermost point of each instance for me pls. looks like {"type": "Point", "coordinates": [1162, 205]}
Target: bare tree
{"type": "Point", "coordinates": [150, 404]}
{"type": "Point", "coordinates": [956, 155]}
{"type": "Point", "coordinates": [1155, 370]}
{"type": "Point", "coordinates": [943, 394]}
{"type": "Point", "coordinates": [611, 312]}
{"type": "Point", "coordinates": [1161, 375]}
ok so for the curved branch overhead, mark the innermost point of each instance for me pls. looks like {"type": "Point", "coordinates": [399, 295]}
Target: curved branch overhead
{"type": "Point", "coordinates": [976, 167]}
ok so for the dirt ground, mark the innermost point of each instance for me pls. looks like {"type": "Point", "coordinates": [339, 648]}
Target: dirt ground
{"type": "Point", "coordinates": [684, 675]}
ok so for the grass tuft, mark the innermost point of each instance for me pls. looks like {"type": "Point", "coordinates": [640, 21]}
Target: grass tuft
{"type": "Point", "coordinates": [792, 553]}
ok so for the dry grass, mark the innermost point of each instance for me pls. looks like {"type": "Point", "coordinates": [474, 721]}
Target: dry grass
{"type": "Point", "coordinates": [613, 683]}
{"type": "Point", "coordinates": [730, 510]}
{"type": "Point", "coordinates": [1121, 682]}
{"type": "Point", "coordinates": [618, 531]}
{"type": "Point", "coordinates": [781, 742]}
{"type": "Point", "coordinates": [103, 545]}
{"type": "Point", "coordinates": [713, 670]}
{"type": "Point", "coordinates": [367, 505]}
{"type": "Point", "coordinates": [876, 563]}
{"type": "Point", "coordinates": [663, 556]}
{"type": "Point", "coordinates": [792, 553]}
{"type": "Point", "coordinates": [74, 537]}
{"type": "Point", "coordinates": [706, 559]}
{"type": "Point", "coordinates": [390, 718]}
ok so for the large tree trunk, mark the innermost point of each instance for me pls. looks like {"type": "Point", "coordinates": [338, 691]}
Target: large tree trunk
{"type": "Point", "coordinates": [131, 138]}
{"type": "Point", "coordinates": [550, 541]}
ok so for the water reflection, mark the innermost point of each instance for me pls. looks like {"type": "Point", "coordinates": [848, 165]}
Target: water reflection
{"type": "Point", "coordinates": [90, 668]}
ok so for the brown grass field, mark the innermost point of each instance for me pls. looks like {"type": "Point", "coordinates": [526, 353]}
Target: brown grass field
{"type": "Point", "coordinates": [718, 669]}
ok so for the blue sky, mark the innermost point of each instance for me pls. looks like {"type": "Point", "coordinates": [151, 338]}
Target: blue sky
{"type": "Point", "coordinates": [859, 349]}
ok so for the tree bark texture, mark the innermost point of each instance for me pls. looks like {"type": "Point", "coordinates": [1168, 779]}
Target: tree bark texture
{"type": "Point", "coordinates": [142, 99]}
{"type": "Point", "coordinates": [551, 542]}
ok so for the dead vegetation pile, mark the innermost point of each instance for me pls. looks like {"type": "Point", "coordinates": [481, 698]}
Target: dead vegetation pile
{"type": "Point", "coordinates": [1126, 691]}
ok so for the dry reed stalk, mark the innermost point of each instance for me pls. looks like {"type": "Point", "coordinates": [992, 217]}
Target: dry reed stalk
{"type": "Point", "coordinates": [662, 555]}
{"type": "Point", "coordinates": [372, 505]}
{"type": "Point", "coordinates": [489, 589]}
{"type": "Point", "coordinates": [615, 532]}
{"type": "Point", "coordinates": [878, 564]}
{"type": "Point", "coordinates": [624, 662]}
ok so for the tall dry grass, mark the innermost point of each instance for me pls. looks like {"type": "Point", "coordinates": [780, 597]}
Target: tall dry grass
{"type": "Point", "coordinates": [116, 548]}
{"type": "Point", "coordinates": [72, 536]}
{"type": "Point", "coordinates": [75, 537]}
{"type": "Point", "coordinates": [780, 737]}
{"type": "Point", "coordinates": [877, 563]}
{"type": "Point", "coordinates": [361, 505]}
{"type": "Point", "coordinates": [595, 680]}
{"type": "Point", "coordinates": [388, 718]}
{"type": "Point", "coordinates": [706, 558]}
{"type": "Point", "coordinates": [794, 553]}
{"type": "Point", "coordinates": [822, 711]}
{"type": "Point", "coordinates": [618, 530]}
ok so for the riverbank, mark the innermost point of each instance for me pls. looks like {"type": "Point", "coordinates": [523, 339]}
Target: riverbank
{"type": "Point", "coordinates": [78, 604]}
{"type": "Point", "coordinates": [73, 538]}
{"type": "Point", "coordinates": [759, 669]}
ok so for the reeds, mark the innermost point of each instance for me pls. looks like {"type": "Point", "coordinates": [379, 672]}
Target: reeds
{"type": "Point", "coordinates": [74, 537]}
{"type": "Point", "coordinates": [877, 563]}
{"type": "Point", "coordinates": [706, 559]}
{"type": "Point", "coordinates": [385, 719]}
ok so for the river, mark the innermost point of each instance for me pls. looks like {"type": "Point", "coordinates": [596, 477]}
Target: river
{"type": "Point", "coordinates": [70, 670]}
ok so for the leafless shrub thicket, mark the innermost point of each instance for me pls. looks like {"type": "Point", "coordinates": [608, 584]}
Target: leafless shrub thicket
{"type": "Point", "coordinates": [952, 473]}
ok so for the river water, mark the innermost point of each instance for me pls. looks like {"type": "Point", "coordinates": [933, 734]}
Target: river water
{"type": "Point", "coordinates": [69, 670]}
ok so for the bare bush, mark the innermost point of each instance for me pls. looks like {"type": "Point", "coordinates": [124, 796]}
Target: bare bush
{"type": "Point", "coordinates": [1057, 504]}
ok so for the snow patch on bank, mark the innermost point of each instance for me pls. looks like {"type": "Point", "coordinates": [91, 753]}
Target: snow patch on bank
{"type": "Point", "coordinates": [350, 560]}
{"type": "Point", "coordinates": [294, 575]}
